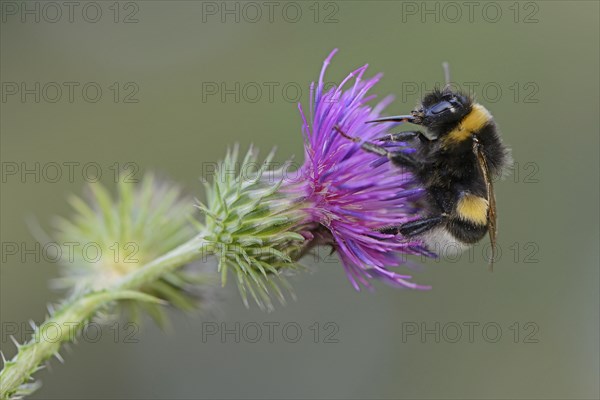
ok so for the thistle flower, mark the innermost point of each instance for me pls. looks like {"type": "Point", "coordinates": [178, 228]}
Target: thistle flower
{"type": "Point", "coordinates": [258, 229]}
{"type": "Point", "coordinates": [349, 192]}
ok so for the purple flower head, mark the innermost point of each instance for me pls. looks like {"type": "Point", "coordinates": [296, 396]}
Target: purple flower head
{"type": "Point", "coordinates": [351, 193]}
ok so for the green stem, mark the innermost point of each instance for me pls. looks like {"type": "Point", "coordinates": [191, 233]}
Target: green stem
{"type": "Point", "coordinates": [185, 253]}
{"type": "Point", "coordinates": [63, 326]}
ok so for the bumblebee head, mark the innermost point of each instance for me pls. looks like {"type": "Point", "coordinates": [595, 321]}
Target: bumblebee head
{"type": "Point", "coordinates": [440, 112]}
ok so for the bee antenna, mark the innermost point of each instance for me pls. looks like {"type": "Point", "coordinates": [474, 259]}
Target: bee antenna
{"type": "Point", "coordinates": [446, 68]}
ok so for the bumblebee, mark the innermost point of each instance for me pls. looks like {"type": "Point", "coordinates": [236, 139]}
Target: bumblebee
{"type": "Point", "coordinates": [455, 155]}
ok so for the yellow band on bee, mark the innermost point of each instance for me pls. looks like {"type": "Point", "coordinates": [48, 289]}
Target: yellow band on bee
{"type": "Point", "coordinates": [471, 123]}
{"type": "Point", "coordinates": [473, 208]}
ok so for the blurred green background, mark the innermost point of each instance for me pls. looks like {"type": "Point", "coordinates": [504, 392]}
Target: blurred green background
{"type": "Point", "coordinates": [535, 66]}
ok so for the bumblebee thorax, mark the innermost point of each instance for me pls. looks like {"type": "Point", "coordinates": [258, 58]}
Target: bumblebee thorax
{"type": "Point", "coordinates": [472, 123]}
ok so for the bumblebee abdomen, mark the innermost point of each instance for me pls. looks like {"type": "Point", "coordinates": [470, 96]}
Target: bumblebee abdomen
{"type": "Point", "coordinates": [466, 231]}
{"type": "Point", "coordinates": [467, 224]}
{"type": "Point", "coordinates": [473, 209]}
{"type": "Point", "coordinates": [469, 221]}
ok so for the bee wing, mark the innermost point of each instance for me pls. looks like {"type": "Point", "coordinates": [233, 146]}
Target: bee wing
{"type": "Point", "coordinates": [491, 213]}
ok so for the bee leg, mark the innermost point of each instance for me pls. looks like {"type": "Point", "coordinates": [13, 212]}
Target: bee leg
{"type": "Point", "coordinates": [376, 149]}
{"type": "Point", "coordinates": [402, 136]}
{"type": "Point", "coordinates": [398, 157]}
{"type": "Point", "coordinates": [402, 159]}
{"type": "Point", "coordinates": [416, 227]}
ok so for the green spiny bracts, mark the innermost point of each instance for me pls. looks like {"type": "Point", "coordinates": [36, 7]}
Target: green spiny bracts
{"type": "Point", "coordinates": [114, 237]}
{"type": "Point", "coordinates": [254, 229]}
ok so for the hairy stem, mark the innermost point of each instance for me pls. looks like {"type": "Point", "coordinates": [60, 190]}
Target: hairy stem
{"type": "Point", "coordinates": [66, 322]}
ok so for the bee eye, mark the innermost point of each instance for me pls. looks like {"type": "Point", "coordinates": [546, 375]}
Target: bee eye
{"type": "Point", "coordinates": [441, 107]}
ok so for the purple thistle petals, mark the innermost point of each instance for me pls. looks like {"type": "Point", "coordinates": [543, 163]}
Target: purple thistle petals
{"type": "Point", "coordinates": [325, 64]}
{"type": "Point", "coordinates": [349, 191]}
